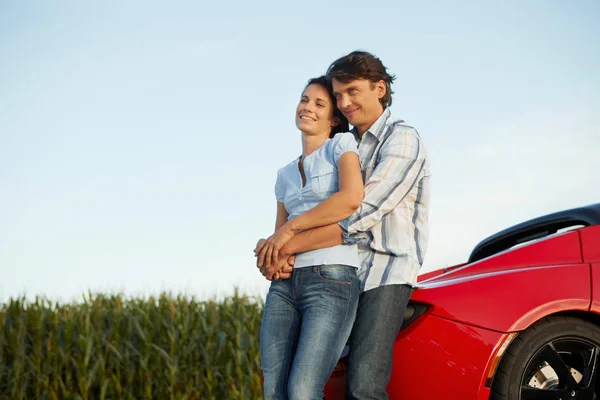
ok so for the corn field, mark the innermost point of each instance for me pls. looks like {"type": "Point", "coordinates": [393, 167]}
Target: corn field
{"type": "Point", "coordinates": [109, 347]}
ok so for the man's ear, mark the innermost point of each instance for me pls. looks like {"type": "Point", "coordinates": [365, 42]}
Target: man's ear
{"type": "Point", "coordinates": [381, 88]}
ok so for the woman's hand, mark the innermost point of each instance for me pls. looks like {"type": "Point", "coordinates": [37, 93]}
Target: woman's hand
{"type": "Point", "coordinates": [268, 251]}
{"type": "Point", "coordinates": [259, 246]}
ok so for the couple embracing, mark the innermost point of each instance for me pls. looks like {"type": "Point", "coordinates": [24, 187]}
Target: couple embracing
{"type": "Point", "coordinates": [350, 236]}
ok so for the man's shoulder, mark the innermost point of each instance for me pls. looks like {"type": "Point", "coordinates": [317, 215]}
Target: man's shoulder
{"type": "Point", "coordinates": [399, 128]}
{"type": "Point", "coordinates": [397, 123]}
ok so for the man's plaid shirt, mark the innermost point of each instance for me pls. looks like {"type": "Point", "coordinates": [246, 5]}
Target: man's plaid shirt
{"type": "Point", "coordinates": [391, 225]}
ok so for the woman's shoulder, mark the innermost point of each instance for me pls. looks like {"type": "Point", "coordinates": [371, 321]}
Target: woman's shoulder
{"type": "Point", "coordinates": [289, 167]}
{"type": "Point", "coordinates": [343, 137]}
{"type": "Point", "coordinates": [341, 143]}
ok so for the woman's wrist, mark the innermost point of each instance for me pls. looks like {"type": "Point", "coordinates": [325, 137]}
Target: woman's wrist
{"type": "Point", "coordinates": [291, 226]}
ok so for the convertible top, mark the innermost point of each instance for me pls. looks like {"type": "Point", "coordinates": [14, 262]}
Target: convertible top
{"type": "Point", "coordinates": [535, 229]}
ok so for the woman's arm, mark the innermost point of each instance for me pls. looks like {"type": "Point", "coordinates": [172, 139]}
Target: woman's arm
{"type": "Point", "coordinates": [280, 220]}
{"type": "Point", "coordinates": [339, 205]}
{"type": "Point", "coordinates": [282, 216]}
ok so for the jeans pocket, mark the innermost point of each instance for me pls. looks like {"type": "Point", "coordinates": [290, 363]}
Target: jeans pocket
{"type": "Point", "coordinates": [336, 274]}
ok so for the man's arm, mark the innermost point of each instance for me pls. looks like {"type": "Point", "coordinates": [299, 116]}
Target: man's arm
{"type": "Point", "coordinates": [402, 160]}
{"type": "Point", "coordinates": [313, 239]}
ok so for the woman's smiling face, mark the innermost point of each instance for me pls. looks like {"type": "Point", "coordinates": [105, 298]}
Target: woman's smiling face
{"type": "Point", "coordinates": [314, 114]}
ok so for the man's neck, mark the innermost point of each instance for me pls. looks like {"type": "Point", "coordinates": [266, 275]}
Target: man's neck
{"type": "Point", "coordinates": [363, 128]}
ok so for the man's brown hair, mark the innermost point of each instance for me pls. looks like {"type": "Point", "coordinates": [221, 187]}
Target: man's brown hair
{"type": "Point", "coordinates": [362, 65]}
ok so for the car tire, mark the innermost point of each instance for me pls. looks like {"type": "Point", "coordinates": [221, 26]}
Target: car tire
{"type": "Point", "coordinates": [530, 364]}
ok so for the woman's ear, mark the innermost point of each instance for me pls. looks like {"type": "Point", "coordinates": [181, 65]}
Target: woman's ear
{"type": "Point", "coordinates": [335, 121]}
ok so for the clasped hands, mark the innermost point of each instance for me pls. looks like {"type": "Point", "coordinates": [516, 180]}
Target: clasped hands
{"type": "Point", "coordinates": [272, 259]}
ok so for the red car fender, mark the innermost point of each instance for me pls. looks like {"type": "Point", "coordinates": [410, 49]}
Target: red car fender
{"type": "Point", "coordinates": [595, 306]}
{"type": "Point", "coordinates": [511, 290]}
{"type": "Point", "coordinates": [590, 239]}
{"type": "Point", "coordinates": [430, 362]}
{"type": "Point", "coordinates": [510, 301]}
{"type": "Point", "coordinates": [590, 244]}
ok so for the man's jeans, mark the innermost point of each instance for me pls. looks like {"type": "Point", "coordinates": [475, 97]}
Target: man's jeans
{"type": "Point", "coordinates": [306, 323]}
{"type": "Point", "coordinates": [378, 320]}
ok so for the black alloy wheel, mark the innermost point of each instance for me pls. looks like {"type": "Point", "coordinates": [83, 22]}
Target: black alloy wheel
{"type": "Point", "coordinates": [556, 358]}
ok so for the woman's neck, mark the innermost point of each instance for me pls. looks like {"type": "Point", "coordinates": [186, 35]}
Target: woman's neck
{"type": "Point", "coordinates": [311, 143]}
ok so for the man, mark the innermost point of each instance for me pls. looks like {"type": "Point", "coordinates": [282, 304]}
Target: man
{"type": "Point", "coordinates": [390, 227]}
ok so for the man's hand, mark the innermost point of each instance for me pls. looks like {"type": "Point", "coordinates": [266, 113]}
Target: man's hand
{"type": "Point", "coordinates": [269, 271]}
{"type": "Point", "coordinates": [287, 270]}
{"type": "Point", "coordinates": [268, 251]}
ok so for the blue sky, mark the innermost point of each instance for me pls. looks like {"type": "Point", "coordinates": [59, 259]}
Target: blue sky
{"type": "Point", "coordinates": [139, 141]}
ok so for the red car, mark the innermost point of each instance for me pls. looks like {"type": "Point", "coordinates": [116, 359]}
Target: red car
{"type": "Point", "coordinates": [520, 320]}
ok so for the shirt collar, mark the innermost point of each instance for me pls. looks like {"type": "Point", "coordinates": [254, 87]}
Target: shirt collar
{"type": "Point", "coordinates": [378, 126]}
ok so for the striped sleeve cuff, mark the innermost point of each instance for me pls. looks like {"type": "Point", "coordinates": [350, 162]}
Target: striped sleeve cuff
{"type": "Point", "coordinates": [348, 238]}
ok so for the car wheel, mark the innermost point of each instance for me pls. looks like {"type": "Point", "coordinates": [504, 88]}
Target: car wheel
{"type": "Point", "coordinates": [555, 358]}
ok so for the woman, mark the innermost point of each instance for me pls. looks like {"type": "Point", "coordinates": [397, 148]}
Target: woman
{"type": "Point", "coordinates": [308, 318]}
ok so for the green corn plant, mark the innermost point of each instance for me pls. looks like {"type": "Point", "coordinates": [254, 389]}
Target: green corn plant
{"type": "Point", "coordinates": [112, 347]}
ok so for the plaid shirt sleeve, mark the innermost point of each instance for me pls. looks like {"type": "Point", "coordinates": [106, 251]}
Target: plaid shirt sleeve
{"type": "Point", "coordinates": [399, 168]}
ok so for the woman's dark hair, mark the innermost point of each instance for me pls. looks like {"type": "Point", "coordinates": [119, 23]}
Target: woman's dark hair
{"type": "Point", "coordinates": [343, 125]}
{"type": "Point", "coordinates": [362, 65]}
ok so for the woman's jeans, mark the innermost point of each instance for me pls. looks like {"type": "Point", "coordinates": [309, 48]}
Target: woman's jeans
{"type": "Point", "coordinates": [306, 323]}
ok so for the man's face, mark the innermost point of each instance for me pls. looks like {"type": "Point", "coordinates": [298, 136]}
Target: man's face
{"type": "Point", "coordinates": [358, 100]}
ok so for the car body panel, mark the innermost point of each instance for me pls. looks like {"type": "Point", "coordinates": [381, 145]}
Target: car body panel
{"type": "Point", "coordinates": [513, 279]}
{"type": "Point", "coordinates": [434, 344]}
{"type": "Point", "coordinates": [437, 344]}
{"type": "Point", "coordinates": [563, 248]}
{"type": "Point", "coordinates": [595, 304]}
{"type": "Point", "coordinates": [590, 248]}
{"type": "Point", "coordinates": [497, 301]}
{"type": "Point", "coordinates": [590, 243]}
{"type": "Point", "coordinates": [438, 272]}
